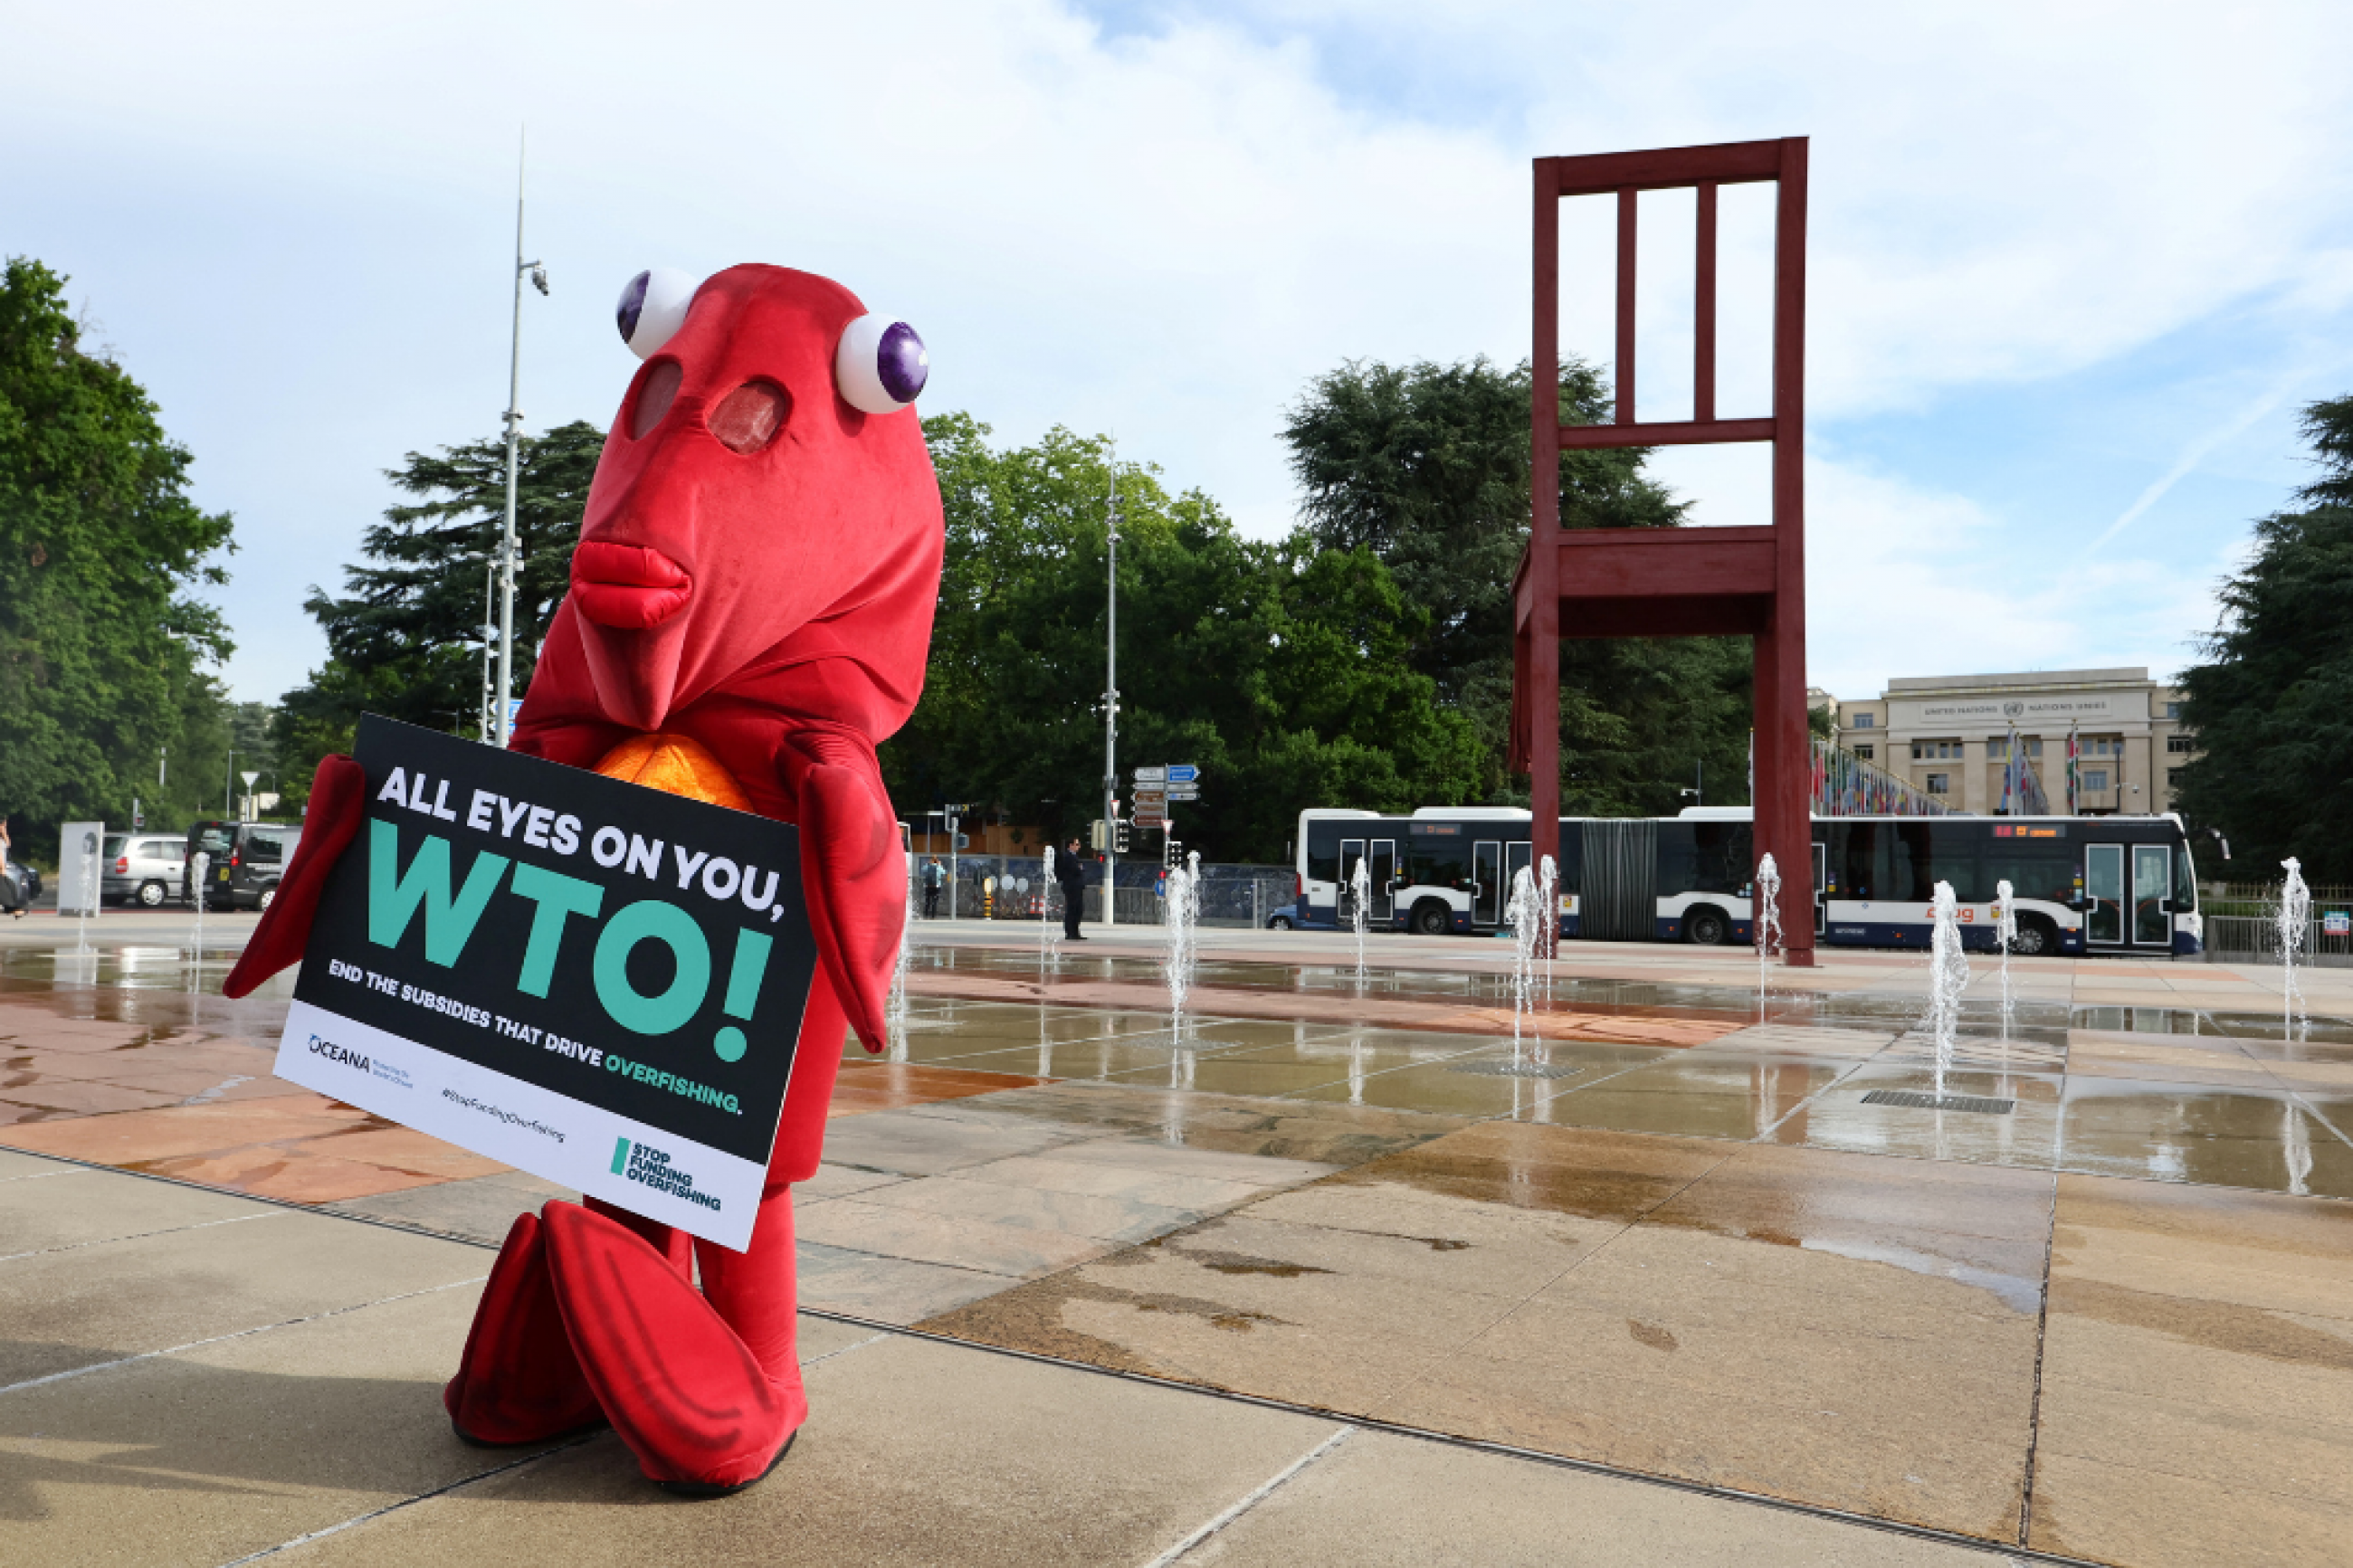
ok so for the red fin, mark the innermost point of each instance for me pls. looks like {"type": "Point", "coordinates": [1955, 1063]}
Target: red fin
{"type": "Point", "coordinates": [853, 872]}
{"type": "Point", "coordinates": [338, 803]}
{"type": "Point", "coordinates": [684, 1393]}
{"type": "Point", "coordinates": [517, 1381]}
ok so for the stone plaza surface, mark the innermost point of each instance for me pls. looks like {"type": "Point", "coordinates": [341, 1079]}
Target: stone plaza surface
{"type": "Point", "coordinates": [1335, 1270]}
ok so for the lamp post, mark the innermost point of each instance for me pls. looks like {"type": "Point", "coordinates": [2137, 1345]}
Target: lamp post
{"type": "Point", "coordinates": [487, 634]}
{"type": "Point", "coordinates": [507, 542]}
{"type": "Point", "coordinates": [1111, 703]}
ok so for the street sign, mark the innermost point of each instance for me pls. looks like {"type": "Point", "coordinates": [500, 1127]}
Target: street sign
{"type": "Point", "coordinates": [1150, 776]}
{"type": "Point", "coordinates": [1184, 773]}
{"type": "Point", "coordinates": [1154, 798]}
{"type": "Point", "coordinates": [1183, 791]}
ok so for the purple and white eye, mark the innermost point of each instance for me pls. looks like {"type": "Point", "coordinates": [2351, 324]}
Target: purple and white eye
{"type": "Point", "coordinates": [881, 365]}
{"type": "Point", "coordinates": [653, 308]}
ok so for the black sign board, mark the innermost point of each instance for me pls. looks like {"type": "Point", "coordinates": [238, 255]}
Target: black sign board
{"type": "Point", "coordinates": [595, 982]}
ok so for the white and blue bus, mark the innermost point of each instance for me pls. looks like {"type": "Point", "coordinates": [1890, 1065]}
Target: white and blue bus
{"type": "Point", "coordinates": [2079, 884]}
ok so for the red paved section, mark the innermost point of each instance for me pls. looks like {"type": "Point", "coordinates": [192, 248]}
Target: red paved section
{"type": "Point", "coordinates": [200, 1105]}
{"type": "Point", "coordinates": [1651, 1026]}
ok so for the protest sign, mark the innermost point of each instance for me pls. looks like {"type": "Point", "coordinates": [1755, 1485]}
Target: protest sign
{"type": "Point", "coordinates": [592, 980]}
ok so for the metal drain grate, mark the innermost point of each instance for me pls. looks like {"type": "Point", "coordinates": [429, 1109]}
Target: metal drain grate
{"type": "Point", "coordinates": [1912, 1101]}
{"type": "Point", "coordinates": [1517, 1069]}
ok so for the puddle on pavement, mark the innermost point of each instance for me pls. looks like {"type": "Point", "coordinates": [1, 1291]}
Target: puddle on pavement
{"type": "Point", "coordinates": [2211, 1136]}
{"type": "Point", "coordinates": [2320, 1028]}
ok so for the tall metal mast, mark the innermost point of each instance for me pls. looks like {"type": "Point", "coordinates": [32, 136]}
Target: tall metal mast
{"type": "Point", "coordinates": [508, 545]}
{"type": "Point", "coordinates": [1111, 707]}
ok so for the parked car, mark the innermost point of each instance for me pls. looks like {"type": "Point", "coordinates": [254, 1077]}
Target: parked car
{"type": "Point", "coordinates": [142, 866]}
{"type": "Point", "coordinates": [28, 881]}
{"type": "Point", "coordinates": [244, 861]}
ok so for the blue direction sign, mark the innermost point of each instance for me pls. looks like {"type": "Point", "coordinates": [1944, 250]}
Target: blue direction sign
{"type": "Point", "coordinates": [1183, 773]}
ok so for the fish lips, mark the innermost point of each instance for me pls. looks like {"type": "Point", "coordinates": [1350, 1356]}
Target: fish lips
{"type": "Point", "coordinates": [628, 587]}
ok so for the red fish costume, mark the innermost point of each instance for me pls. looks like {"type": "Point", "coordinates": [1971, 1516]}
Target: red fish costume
{"type": "Point", "coordinates": [750, 612]}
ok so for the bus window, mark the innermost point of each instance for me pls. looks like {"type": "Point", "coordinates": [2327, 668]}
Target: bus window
{"type": "Point", "coordinates": [1678, 850]}
{"type": "Point", "coordinates": [1571, 867]}
{"type": "Point", "coordinates": [2042, 868]}
{"type": "Point", "coordinates": [1956, 862]}
{"type": "Point", "coordinates": [1433, 860]}
{"type": "Point", "coordinates": [1721, 859]}
{"type": "Point", "coordinates": [1859, 859]}
{"type": "Point", "coordinates": [1912, 869]}
{"type": "Point", "coordinates": [1323, 854]}
{"type": "Point", "coordinates": [2185, 881]}
{"type": "Point", "coordinates": [1705, 858]}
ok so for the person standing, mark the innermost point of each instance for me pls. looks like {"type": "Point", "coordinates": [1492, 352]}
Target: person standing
{"type": "Point", "coordinates": [1072, 873]}
{"type": "Point", "coordinates": [933, 879]}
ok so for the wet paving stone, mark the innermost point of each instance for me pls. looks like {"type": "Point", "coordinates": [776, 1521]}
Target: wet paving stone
{"type": "Point", "coordinates": [1708, 1256]}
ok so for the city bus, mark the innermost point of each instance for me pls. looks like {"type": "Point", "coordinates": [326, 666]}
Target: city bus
{"type": "Point", "coordinates": [2079, 884]}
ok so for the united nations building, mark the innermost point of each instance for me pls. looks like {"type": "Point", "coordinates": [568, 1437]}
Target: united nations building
{"type": "Point", "coordinates": [1950, 736]}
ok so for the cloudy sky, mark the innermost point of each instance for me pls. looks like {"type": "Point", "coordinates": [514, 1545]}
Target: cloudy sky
{"type": "Point", "coordinates": [2074, 268]}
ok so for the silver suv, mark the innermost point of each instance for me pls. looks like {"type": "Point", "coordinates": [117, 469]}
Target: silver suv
{"type": "Point", "coordinates": [141, 867]}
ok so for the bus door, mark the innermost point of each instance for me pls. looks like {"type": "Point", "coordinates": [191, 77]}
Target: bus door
{"type": "Point", "coordinates": [1351, 853]}
{"type": "Point", "coordinates": [1383, 873]}
{"type": "Point", "coordinates": [1487, 884]}
{"type": "Point", "coordinates": [1516, 859]}
{"type": "Point", "coordinates": [2128, 897]}
{"type": "Point", "coordinates": [1822, 887]}
{"type": "Point", "coordinates": [2152, 895]}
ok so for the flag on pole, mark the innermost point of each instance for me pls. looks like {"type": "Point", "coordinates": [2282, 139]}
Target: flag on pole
{"type": "Point", "coordinates": [2072, 780]}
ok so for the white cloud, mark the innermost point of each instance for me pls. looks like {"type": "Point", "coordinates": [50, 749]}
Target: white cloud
{"type": "Point", "coordinates": [295, 220]}
{"type": "Point", "coordinates": [1904, 582]}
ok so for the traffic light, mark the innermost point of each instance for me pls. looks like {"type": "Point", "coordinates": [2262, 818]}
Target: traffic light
{"type": "Point", "coordinates": [1119, 837]}
{"type": "Point", "coordinates": [1098, 835]}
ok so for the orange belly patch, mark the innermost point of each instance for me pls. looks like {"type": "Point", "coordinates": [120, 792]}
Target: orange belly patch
{"type": "Point", "coordinates": [674, 765]}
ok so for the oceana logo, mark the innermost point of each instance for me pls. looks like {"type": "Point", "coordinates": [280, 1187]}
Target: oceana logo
{"type": "Point", "coordinates": [335, 1053]}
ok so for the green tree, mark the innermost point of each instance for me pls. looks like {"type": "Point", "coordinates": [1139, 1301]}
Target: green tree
{"type": "Point", "coordinates": [1277, 668]}
{"type": "Point", "coordinates": [1428, 467]}
{"type": "Point", "coordinates": [102, 553]}
{"type": "Point", "coordinates": [406, 639]}
{"type": "Point", "coordinates": [2272, 704]}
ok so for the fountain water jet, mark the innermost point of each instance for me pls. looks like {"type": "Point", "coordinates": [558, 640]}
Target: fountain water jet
{"type": "Point", "coordinates": [895, 1015]}
{"type": "Point", "coordinates": [1181, 914]}
{"type": "Point", "coordinates": [90, 891]}
{"type": "Point", "coordinates": [1767, 916]}
{"type": "Point", "coordinates": [198, 864]}
{"type": "Point", "coordinates": [2005, 931]}
{"type": "Point", "coordinates": [1525, 915]}
{"type": "Point", "coordinates": [1360, 898]}
{"type": "Point", "coordinates": [1050, 941]}
{"type": "Point", "coordinates": [2292, 919]}
{"type": "Point", "coordinates": [1949, 977]}
{"type": "Point", "coordinates": [1548, 891]}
